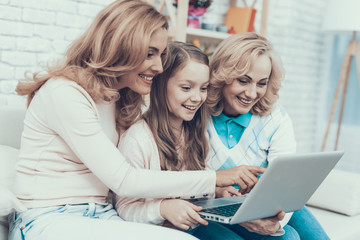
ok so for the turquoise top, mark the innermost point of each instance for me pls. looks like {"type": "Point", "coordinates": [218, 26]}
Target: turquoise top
{"type": "Point", "coordinates": [230, 129]}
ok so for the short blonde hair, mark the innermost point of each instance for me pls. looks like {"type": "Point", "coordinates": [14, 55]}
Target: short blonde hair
{"type": "Point", "coordinates": [116, 42]}
{"type": "Point", "coordinates": [232, 59]}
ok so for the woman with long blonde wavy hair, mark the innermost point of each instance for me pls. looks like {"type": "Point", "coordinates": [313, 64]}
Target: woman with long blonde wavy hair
{"type": "Point", "coordinates": [76, 112]}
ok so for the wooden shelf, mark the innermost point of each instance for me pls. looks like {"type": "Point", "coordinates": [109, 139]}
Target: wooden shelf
{"type": "Point", "coordinates": [201, 33]}
{"type": "Point", "coordinates": [178, 16]}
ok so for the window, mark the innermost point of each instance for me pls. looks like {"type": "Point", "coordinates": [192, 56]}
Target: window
{"type": "Point", "coordinates": [351, 109]}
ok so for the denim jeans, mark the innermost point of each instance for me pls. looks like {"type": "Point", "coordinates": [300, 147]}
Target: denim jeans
{"type": "Point", "coordinates": [218, 231]}
{"type": "Point", "coordinates": [215, 231]}
{"type": "Point", "coordinates": [82, 221]}
{"type": "Point", "coordinates": [307, 226]}
{"type": "Point", "coordinates": [302, 225]}
{"type": "Point", "coordinates": [290, 234]}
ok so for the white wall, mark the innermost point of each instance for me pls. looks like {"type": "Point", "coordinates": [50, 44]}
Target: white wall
{"type": "Point", "coordinates": [294, 27]}
{"type": "Point", "coordinates": [33, 32]}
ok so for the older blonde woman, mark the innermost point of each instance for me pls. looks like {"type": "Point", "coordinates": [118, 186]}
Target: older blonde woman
{"type": "Point", "coordinates": [247, 127]}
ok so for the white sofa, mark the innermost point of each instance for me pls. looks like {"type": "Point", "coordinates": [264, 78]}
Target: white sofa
{"type": "Point", "coordinates": [11, 125]}
{"type": "Point", "coordinates": [336, 203]}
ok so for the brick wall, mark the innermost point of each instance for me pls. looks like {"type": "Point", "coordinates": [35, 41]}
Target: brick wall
{"type": "Point", "coordinates": [294, 28]}
{"type": "Point", "coordinates": [34, 32]}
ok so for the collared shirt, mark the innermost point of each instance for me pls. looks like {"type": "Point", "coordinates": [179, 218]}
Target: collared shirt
{"type": "Point", "coordinates": [264, 139]}
{"type": "Point", "coordinates": [230, 129]}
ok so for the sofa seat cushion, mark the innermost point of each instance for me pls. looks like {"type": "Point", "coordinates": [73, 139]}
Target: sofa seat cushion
{"type": "Point", "coordinates": [338, 226]}
{"type": "Point", "coordinates": [8, 159]}
{"type": "Point", "coordinates": [8, 201]}
{"type": "Point", "coordinates": [8, 204]}
{"type": "Point", "coordinates": [3, 232]}
{"type": "Point", "coordinates": [339, 192]}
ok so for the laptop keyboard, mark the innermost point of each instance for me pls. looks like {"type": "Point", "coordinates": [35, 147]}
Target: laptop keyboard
{"type": "Point", "coordinates": [226, 211]}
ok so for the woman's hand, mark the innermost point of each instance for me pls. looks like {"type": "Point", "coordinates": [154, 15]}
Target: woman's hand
{"type": "Point", "coordinates": [182, 214]}
{"type": "Point", "coordinates": [244, 176]}
{"type": "Point", "coordinates": [229, 191]}
{"type": "Point", "coordinates": [265, 226]}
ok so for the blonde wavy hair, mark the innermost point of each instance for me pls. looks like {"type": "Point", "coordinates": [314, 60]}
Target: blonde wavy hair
{"type": "Point", "coordinates": [116, 42]}
{"type": "Point", "coordinates": [232, 59]}
{"type": "Point", "coordinates": [157, 116]}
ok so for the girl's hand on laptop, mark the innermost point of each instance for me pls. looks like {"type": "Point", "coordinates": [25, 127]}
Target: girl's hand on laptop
{"type": "Point", "coordinates": [265, 226]}
{"type": "Point", "coordinates": [229, 191]}
{"type": "Point", "coordinates": [182, 214]}
{"type": "Point", "coordinates": [244, 176]}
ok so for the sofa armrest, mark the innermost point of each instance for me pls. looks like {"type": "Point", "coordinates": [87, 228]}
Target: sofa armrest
{"type": "Point", "coordinates": [11, 125]}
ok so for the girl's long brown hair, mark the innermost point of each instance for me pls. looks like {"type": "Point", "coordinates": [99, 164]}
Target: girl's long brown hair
{"type": "Point", "coordinates": [115, 43]}
{"type": "Point", "coordinates": [157, 116]}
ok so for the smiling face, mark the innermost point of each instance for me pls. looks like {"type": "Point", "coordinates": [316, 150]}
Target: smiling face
{"type": "Point", "coordinates": [140, 79]}
{"type": "Point", "coordinates": [186, 92]}
{"type": "Point", "coordinates": [244, 92]}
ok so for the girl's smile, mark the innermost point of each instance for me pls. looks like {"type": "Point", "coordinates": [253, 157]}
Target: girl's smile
{"type": "Point", "coordinates": [187, 91]}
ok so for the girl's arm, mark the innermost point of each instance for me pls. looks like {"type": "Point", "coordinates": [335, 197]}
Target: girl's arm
{"type": "Point", "coordinates": [139, 209]}
{"type": "Point", "coordinates": [138, 143]}
{"type": "Point", "coordinates": [178, 212]}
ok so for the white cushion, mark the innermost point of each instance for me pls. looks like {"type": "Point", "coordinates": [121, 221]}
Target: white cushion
{"type": "Point", "coordinates": [3, 232]}
{"type": "Point", "coordinates": [11, 125]}
{"type": "Point", "coordinates": [8, 204]}
{"type": "Point", "coordinates": [8, 159]}
{"type": "Point", "coordinates": [8, 201]}
{"type": "Point", "coordinates": [340, 192]}
{"type": "Point", "coordinates": [338, 226]}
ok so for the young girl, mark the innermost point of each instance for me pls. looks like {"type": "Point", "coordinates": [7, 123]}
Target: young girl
{"type": "Point", "coordinates": [171, 136]}
{"type": "Point", "coordinates": [247, 127]}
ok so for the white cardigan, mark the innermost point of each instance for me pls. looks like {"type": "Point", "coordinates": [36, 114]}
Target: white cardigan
{"type": "Point", "coordinates": [263, 140]}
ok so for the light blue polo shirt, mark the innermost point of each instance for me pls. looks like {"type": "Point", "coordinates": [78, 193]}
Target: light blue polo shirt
{"type": "Point", "coordinates": [230, 129]}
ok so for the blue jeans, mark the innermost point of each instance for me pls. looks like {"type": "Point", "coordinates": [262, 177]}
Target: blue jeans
{"type": "Point", "coordinates": [302, 225]}
{"type": "Point", "coordinates": [218, 231]}
{"type": "Point", "coordinates": [290, 233]}
{"type": "Point", "coordinates": [30, 224]}
{"type": "Point", "coordinates": [83, 222]}
{"type": "Point", "coordinates": [307, 226]}
{"type": "Point", "coordinates": [214, 231]}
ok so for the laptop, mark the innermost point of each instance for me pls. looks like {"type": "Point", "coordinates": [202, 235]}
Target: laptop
{"type": "Point", "coordinates": [287, 184]}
